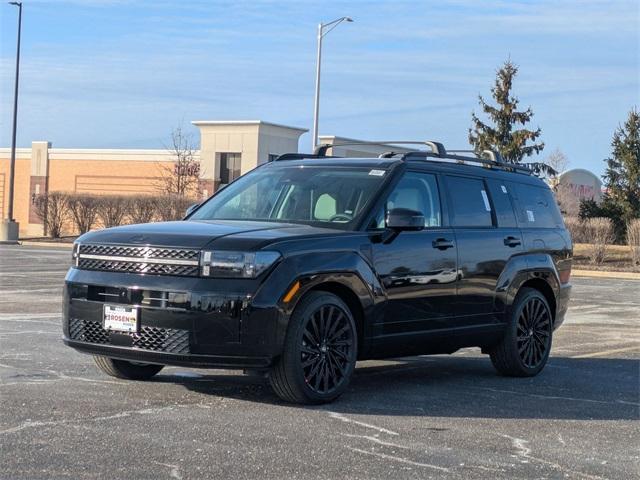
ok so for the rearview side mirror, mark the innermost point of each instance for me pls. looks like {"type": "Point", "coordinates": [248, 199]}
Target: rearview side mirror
{"type": "Point", "coordinates": [404, 219]}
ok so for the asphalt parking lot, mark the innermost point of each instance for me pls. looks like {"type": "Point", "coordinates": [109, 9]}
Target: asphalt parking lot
{"type": "Point", "coordinates": [419, 417]}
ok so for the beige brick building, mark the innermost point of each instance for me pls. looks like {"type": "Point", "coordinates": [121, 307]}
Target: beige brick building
{"type": "Point", "coordinates": [228, 149]}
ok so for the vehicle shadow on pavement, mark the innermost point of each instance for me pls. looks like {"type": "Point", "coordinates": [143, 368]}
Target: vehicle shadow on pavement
{"type": "Point", "coordinates": [568, 388]}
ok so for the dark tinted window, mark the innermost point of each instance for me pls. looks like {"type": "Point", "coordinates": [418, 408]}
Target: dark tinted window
{"type": "Point", "coordinates": [502, 203]}
{"type": "Point", "coordinates": [415, 191]}
{"type": "Point", "coordinates": [295, 194]}
{"type": "Point", "coordinates": [536, 207]}
{"type": "Point", "coordinates": [470, 205]}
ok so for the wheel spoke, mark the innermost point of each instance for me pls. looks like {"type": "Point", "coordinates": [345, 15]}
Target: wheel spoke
{"type": "Point", "coordinates": [337, 334]}
{"type": "Point", "coordinates": [309, 349]}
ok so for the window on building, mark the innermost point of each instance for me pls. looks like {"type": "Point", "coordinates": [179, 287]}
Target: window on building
{"type": "Point", "coordinates": [229, 166]}
{"type": "Point", "coordinates": [469, 202]}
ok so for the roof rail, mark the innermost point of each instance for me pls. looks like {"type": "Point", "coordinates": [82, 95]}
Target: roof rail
{"type": "Point", "coordinates": [494, 159]}
{"type": "Point", "coordinates": [436, 147]}
{"type": "Point", "coordinates": [298, 156]}
{"type": "Point", "coordinates": [437, 151]}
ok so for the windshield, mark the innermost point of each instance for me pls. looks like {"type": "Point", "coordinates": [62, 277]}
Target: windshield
{"type": "Point", "coordinates": [296, 194]}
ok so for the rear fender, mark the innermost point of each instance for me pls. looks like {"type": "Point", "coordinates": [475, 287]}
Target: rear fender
{"type": "Point", "coordinates": [535, 266]}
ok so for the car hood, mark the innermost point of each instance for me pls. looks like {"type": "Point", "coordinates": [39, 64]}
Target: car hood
{"type": "Point", "coordinates": [227, 234]}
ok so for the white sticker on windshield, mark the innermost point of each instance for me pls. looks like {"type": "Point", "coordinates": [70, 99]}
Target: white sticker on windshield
{"type": "Point", "coordinates": [487, 207]}
{"type": "Point", "coordinates": [530, 216]}
{"type": "Point", "coordinates": [504, 189]}
{"type": "Point", "coordinates": [376, 173]}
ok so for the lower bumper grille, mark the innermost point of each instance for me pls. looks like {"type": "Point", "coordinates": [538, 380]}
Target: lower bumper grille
{"type": "Point", "coordinates": [169, 340]}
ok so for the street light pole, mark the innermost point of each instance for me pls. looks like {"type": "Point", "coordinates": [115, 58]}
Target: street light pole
{"type": "Point", "coordinates": [316, 106]}
{"type": "Point", "coordinates": [9, 227]}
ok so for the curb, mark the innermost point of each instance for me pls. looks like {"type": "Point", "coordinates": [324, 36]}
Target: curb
{"type": "Point", "coordinates": [603, 274]}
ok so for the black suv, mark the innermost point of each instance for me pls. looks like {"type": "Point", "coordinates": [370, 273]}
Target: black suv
{"type": "Point", "coordinates": [308, 263]}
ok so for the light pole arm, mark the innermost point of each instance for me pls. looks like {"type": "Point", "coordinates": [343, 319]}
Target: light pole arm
{"type": "Point", "coordinates": [316, 107]}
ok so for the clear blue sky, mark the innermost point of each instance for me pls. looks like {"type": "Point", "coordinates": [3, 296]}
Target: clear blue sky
{"type": "Point", "coordinates": [118, 73]}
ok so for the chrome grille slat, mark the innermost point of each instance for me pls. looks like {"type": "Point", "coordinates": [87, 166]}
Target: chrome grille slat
{"type": "Point", "coordinates": [141, 260]}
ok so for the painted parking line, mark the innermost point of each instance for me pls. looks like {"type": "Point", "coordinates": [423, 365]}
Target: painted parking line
{"type": "Point", "coordinates": [608, 352]}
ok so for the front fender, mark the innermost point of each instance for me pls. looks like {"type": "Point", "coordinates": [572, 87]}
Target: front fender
{"type": "Point", "coordinates": [348, 269]}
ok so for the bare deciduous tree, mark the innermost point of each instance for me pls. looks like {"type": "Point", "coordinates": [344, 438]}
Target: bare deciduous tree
{"type": "Point", "coordinates": [181, 178]}
{"type": "Point", "coordinates": [112, 209]}
{"type": "Point", "coordinates": [143, 209]}
{"type": "Point", "coordinates": [633, 240]}
{"type": "Point", "coordinates": [84, 211]}
{"type": "Point", "coordinates": [557, 160]}
{"type": "Point", "coordinates": [172, 207]}
{"type": "Point", "coordinates": [51, 208]}
{"type": "Point", "coordinates": [600, 234]}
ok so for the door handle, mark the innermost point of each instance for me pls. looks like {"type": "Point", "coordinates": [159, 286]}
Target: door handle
{"type": "Point", "coordinates": [512, 241]}
{"type": "Point", "coordinates": [442, 244]}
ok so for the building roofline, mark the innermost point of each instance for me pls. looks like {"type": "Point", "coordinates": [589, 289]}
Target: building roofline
{"type": "Point", "coordinates": [199, 123]}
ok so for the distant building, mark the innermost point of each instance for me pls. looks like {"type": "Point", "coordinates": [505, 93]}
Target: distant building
{"type": "Point", "coordinates": [582, 183]}
{"type": "Point", "coordinates": [228, 149]}
{"type": "Point", "coordinates": [574, 186]}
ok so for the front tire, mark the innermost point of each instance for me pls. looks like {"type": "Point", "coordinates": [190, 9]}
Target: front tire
{"type": "Point", "coordinates": [126, 370]}
{"type": "Point", "coordinates": [319, 353]}
{"type": "Point", "coordinates": [525, 347]}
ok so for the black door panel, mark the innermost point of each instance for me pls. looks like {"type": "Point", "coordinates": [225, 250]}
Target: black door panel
{"type": "Point", "coordinates": [419, 280]}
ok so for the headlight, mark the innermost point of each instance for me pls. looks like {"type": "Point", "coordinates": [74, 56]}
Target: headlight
{"type": "Point", "coordinates": [226, 264]}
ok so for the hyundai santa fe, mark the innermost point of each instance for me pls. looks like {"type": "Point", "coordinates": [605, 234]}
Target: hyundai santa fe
{"type": "Point", "coordinates": [309, 263]}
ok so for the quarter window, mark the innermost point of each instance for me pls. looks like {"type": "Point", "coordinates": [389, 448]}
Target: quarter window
{"type": "Point", "coordinates": [537, 207]}
{"type": "Point", "coordinates": [470, 203]}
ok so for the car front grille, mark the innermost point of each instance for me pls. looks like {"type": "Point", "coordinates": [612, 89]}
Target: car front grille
{"type": "Point", "coordinates": [168, 340]}
{"type": "Point", "coordinates": [146, 260]}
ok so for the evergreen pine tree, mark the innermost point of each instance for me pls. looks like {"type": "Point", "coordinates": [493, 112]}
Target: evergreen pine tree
{"type": "Point", "coordinates": [502, 135]}
{"type": "Point", "coordinates": [622, 176]}
{"type": "Point", "coordinates": [621, 201]}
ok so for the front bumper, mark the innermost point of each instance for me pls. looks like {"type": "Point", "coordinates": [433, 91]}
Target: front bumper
{"type": "Point", "coordinates": [195, 322]}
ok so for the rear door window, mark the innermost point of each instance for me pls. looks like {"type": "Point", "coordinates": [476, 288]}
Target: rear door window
{"type": "Point", "coordinates": [502, 203]}
{"type": "Point", "coordinates": [469, 201]}
{"type": "Point", "coordinates": [536, 207]}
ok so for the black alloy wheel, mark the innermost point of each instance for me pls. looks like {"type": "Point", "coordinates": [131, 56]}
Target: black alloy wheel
{"type": "Point", "coordinates": [319, 353]}
{"type": "Point", "coordinates": [524, 349]}
{"type": "Point", "coordinates": [534, 332]}
{"type": "Point", "coordinates": [326, 348]}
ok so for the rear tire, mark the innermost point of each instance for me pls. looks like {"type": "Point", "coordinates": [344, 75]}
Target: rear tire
{"type": "Point", "coordinates": [319, 353]}
{"type": "Point", "coordinates": [525, 347]}
{"type": "Point", "coordinates": [126, 370]}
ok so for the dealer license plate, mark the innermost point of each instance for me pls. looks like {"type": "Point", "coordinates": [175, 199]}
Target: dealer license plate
{"type": "Point", "coordinates": [120, 319]}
